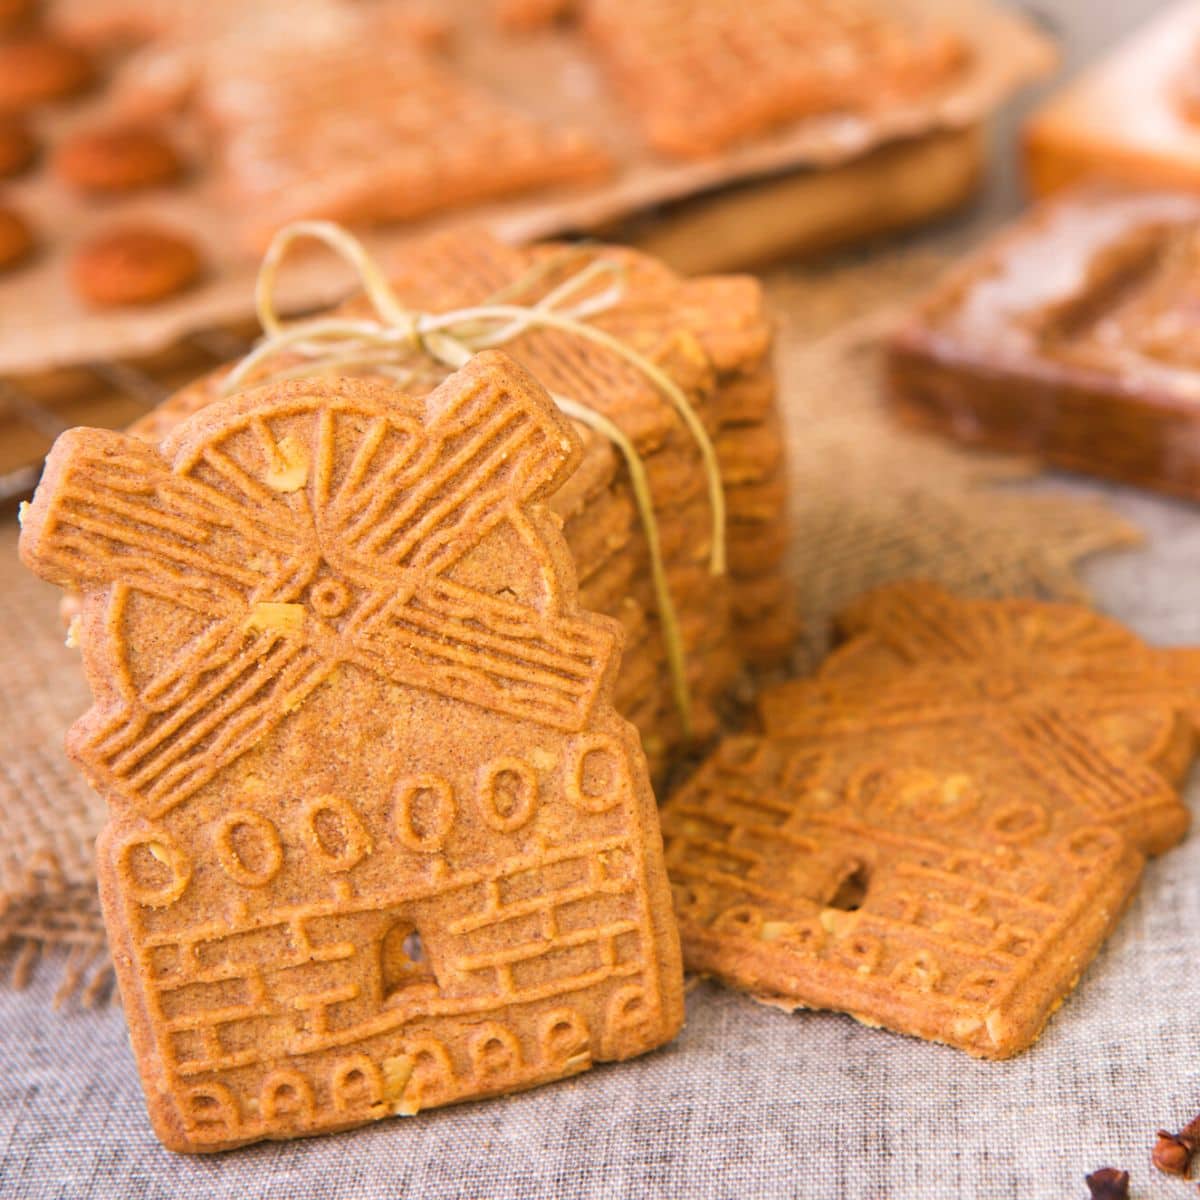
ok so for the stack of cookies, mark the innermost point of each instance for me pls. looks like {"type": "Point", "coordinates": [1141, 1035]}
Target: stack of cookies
{"type": "Point", "coordinates": [712, 338]}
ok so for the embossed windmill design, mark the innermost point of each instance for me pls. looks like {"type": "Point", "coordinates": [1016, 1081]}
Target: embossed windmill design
{"type": "Point", "coordinates": [378, 839]}
{"type": "Point", "coordinates": [295, 566]}
{"type": "Point", "coordinates": [1082, 700]}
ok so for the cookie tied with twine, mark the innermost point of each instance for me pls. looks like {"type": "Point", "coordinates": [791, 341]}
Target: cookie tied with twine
{"type": "Point", "coordinates": [401, 343]}
{"type": "Point", "coordinates": [355, 732]}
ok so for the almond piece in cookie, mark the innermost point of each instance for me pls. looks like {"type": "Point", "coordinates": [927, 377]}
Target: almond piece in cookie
{"type": "Point", "coordinates": [133, 266]}
{"type": "Point", "coordinates": [116, 160]}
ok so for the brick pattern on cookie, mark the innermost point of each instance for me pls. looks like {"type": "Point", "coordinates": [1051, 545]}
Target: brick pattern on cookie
{"type": "Point", "coordinates": [1091, 366]}
{"type": "Point", "coordinates": [938, 831]}
{"type": "Point", "coordinates": [378, 840]}
{"type": "Point", "coordinates": [702, 76]}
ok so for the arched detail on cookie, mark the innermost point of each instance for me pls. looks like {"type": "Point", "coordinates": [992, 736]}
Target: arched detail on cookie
{"type": "Point", "coordinates": [433, 1076]}
{"type": "Point", "coordinates": [502, 778]}
{"type": "Point", "coordinates": [920, 971]}
{"type": "Point", "coordinates": [978, 987]}
{"type": "Point", "coordinates": [335, 832]}
{"type": "Point", "coordinates": [495, 1052]}
{"type": "Point", "coordinates": [155, 868]}
{"type": "Point", "coordinates": [355, 1083]}
{"type": "Point", "coordinates": [743, 919]}
{"type": "Point", "coordinates": [259, 856]}
{"type": "Point", "coordinates": [597, 775]}
{"type": "Point", "coordinates": [423, 812]}
{"type": "Point", "coordinates": [628, 1017]}
{"type": "Point", "coordinates": [1092, 844]}
{"type": "Point", "coordinates": [285, 1096]}
{"type": "Point", "coordinates": [1018, 823]}
{"type": "Point", "coordinates": [562, 1035]}
{"type": "Point", "coordinates": [862, 951]}
{"type": "Point", "coordinates": [865, 783]}
{"type": "Point", "coordinates": [211, 1109]}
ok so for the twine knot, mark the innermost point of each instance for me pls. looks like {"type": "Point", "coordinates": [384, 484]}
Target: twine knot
{"type": "Point", "coordinates": [395, 339]}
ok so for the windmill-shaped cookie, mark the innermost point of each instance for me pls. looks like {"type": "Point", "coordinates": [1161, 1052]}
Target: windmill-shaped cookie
{"type": "Point", "coordinates": [377, 839]}
{"type": "Point", "coordinates": [939, 829]}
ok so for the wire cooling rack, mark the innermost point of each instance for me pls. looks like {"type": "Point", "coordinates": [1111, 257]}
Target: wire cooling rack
{"type": "Point", "coordinates": [35, 409]}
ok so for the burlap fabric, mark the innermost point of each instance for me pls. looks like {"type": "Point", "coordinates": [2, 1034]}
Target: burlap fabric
{"type": "Point", "coordinates": [871, 503]}
{"type": "Point", "coordinates": [748, 1102]}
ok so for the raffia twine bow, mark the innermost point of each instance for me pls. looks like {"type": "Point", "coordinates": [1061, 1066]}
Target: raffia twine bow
{"type": "Point", "coordinates": [396, 339]}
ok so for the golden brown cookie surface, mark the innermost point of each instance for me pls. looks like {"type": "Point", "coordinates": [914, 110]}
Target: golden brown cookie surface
{"type": "Point", "coordinates": [134, 266]}
{"type": "Point", "coordinates": [357, 136]}
{"type": "Point", "coordinates": [939, 829]}
{"type": "Point", "coordinates": [16, 238]}
{"type": "Point", "coordinates": [116, 160]}
{"type": "Point", "coordinates": [38, 69]}
{"type": "Point", "coordinates": [700, 75]}
{"type": "Point", "coordinates": [378, 840]}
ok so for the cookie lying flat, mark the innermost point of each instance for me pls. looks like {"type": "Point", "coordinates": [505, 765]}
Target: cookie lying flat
{"type": "Point", "coordinates": [939, 830]}
{"type": "Point", "coordinates": [134, 265]}
{"type": "Point", "coordinates": [701, 76]}
{"type": "Point", "coordinates": [378, 840]}
{"type": "Point", "coordinates": [377, 133]}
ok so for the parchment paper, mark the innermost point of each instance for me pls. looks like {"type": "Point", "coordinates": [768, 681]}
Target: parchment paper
{"type": "Point", "coordinates": [550, 74]}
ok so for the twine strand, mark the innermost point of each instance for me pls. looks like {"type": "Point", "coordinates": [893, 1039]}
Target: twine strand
{"type": "Point", "coordinates": [394, 340]}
